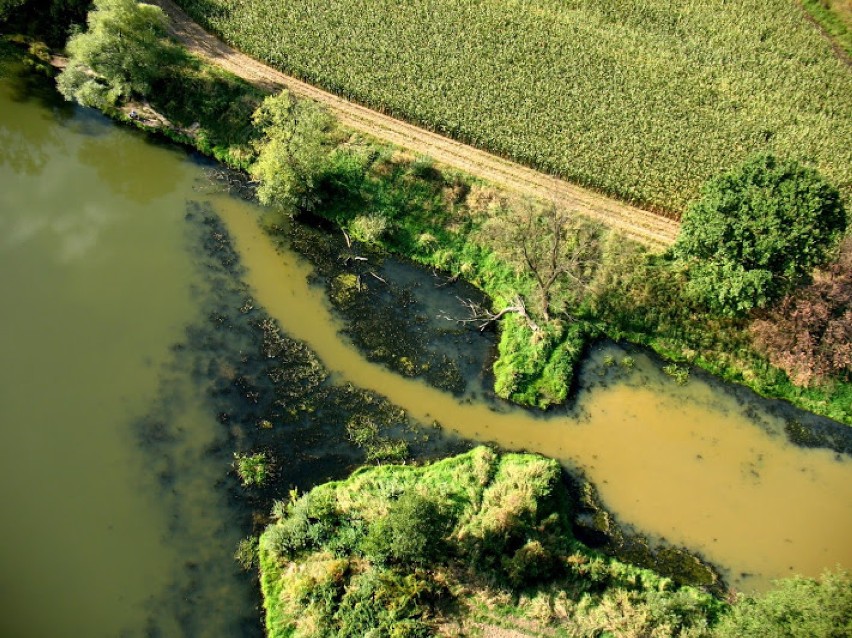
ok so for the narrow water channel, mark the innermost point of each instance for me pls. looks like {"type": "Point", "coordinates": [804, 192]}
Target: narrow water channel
{"type": "Point", "coordinates": [693, 464]}
{"type": "Point", "coordinates": [104, 536]}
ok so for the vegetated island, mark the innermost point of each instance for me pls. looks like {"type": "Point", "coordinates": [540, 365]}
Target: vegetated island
{"type": "Point", "coordinates": [480, 541]}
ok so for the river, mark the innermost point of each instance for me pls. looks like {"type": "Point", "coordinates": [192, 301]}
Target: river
{"type": "Point", "coordinates": [101, 280]}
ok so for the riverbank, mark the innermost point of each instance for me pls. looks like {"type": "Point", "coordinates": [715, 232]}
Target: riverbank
{"type": "Point", "coordinates": [245, 386]}
{"type": "Point", "coordinates": [449, 221]}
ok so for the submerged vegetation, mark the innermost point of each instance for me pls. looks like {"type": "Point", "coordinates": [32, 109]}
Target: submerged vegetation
{"type": "Point", "coordinates": [646, 100]}
{"type": "Point", "coordinates": [253, 469]}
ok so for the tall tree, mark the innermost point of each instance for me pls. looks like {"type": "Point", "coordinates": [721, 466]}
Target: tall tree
{"type": "Point", "coordinates": [123, 50]}
{"type": "Point", "coordinates": [756, 232]}
{"type": "Point", "coordinates": [557, 249]}
{"type": "Point", "coordinates": [293, 151]}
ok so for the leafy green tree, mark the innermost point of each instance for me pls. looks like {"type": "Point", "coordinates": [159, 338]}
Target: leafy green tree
{"type": "Point", "coordinates": [122, 52]}
{"type": "Point", "coordinates": [7, 7]}
{"type": "Point", "coordinates": [798, 608]}
{"type": "Point", "coordinates": [756, 232]}
{"type": "Point", "coordinates": [44, 20]}
{"type": "Point", "coordinates": [412, 533]}
{"type": "Point", "coordinates": [293, 151]}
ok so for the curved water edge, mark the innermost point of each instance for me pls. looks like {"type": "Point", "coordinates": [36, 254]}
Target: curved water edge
{"type": "Point", "coordinates": [100, 280]}
{"type": "Point", "coordinates": [688, 464]}
{"type": "Point", "coordinates": [121, 523]}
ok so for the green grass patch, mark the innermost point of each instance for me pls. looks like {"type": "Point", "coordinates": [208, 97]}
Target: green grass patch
{"type": "Point", "coordinates": [835, 18]}
{"type": "Point", "coordinates": [211, 107]}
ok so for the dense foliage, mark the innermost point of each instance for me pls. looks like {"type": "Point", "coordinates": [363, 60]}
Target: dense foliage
{"type": "Point", "coordinates": [756, 232]}
{"type": "Point", "coordinates": [612, 285]}
{"type": "Point", "coordinates": [644, 100]}
{"type": "Point", "coordinates": [809, 333]}
{"type": "Point", "coordinates": [292, 151]}
{"type": "Point", "coordinates": [123, 51]}
{"type": "Point", "coordinates": [386, 553]}
{"type": "Point", "coordinates": [797, 608]}
{"type": "Point", "coordinates": [48, 20]}
{"type": "Point", "coordinates": [7, 7]}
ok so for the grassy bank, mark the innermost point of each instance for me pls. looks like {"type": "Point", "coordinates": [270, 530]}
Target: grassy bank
{"type": "Point", "coordinates": [835, 17]}
{"type": "Point", "coordinates": [476, 539]}
{"type": "Point", "coordinates": [549, 309]}
{"type": "Point", "coordinates": [645, 102]}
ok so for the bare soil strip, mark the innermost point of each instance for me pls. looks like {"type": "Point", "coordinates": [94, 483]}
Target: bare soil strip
{"type": "Point", "coordinates": [651, 229]}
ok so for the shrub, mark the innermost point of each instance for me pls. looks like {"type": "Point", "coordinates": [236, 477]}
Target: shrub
{"type": "Point", "coordinates": [797, 608]}
{"type": "Point", "coordinates": [369, 228]}
{"type": "Point", "coordinates": [383, 603]}
{"type": "Point", "coordinates": [530, 564]}
{"type": "Point", "coordinates": [253, 469]}
{"type": "Point", "coordinates": [412, 532]}
{"type": "Point", "coordinates": [246, 552]}
{"type": "Point", "coordinates": [809, 333]}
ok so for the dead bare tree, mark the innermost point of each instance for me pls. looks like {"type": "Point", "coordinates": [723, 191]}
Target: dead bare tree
{"type": "Point", "coordinates": [559, 250]}
{"type": "Point", "coordinates": [480, 315]}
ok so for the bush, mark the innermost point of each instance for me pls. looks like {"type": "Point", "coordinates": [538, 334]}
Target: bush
{"type": "Point", "coordinates": [809, 333]}
{"type": "Point", "coordinates": [531, 563]}
{"type": "Point", "coordinates": [798, 608]}
{"type": "Point", "coordinates": [253, 469]}
{"type": "Point", "coordinates": [246, 552]}
{"type": "Point", "coordinates": [369, 228]}
{"type": "Point", "coordinates": [412, 532]}
{"type": "Point", "coordinates": [384, 604]}
{"type": "Point", "coordinates": [537, 368]}
{"type": "Point", "coordinates": [756, 232]}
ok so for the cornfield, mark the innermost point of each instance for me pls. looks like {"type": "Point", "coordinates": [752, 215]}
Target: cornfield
{"type": "Point", "coordinates": [642, 100]}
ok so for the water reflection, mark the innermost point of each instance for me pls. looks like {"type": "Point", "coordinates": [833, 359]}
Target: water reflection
{"type": "Point", "coordinates": [118, 167]}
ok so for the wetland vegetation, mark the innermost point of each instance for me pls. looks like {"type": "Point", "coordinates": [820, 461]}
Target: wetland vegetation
{"type": "Point", "coordinates": [556, 282]}
{"type": "Point", "coordinates": [493, 540]}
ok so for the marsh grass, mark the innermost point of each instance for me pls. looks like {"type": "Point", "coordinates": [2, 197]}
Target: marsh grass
{"type": "Point", "coordinates": [392, 548]}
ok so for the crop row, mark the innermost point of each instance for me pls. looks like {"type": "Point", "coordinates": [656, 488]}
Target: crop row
{"type": "Point", "coordinates": [641, 100]}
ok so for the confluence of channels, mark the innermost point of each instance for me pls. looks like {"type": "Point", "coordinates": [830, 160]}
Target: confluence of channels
{"type": "Point", "coordinates": [643, 226]}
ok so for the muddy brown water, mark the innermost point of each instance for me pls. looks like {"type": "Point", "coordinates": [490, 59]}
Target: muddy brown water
{"type": "Point", "coordinates": [691, 464]}
{"type": "Point", "coordinates": [100, 281]}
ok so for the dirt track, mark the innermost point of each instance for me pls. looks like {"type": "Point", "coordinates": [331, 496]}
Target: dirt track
{"type": "Point", "coordinates": [653, 230]}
